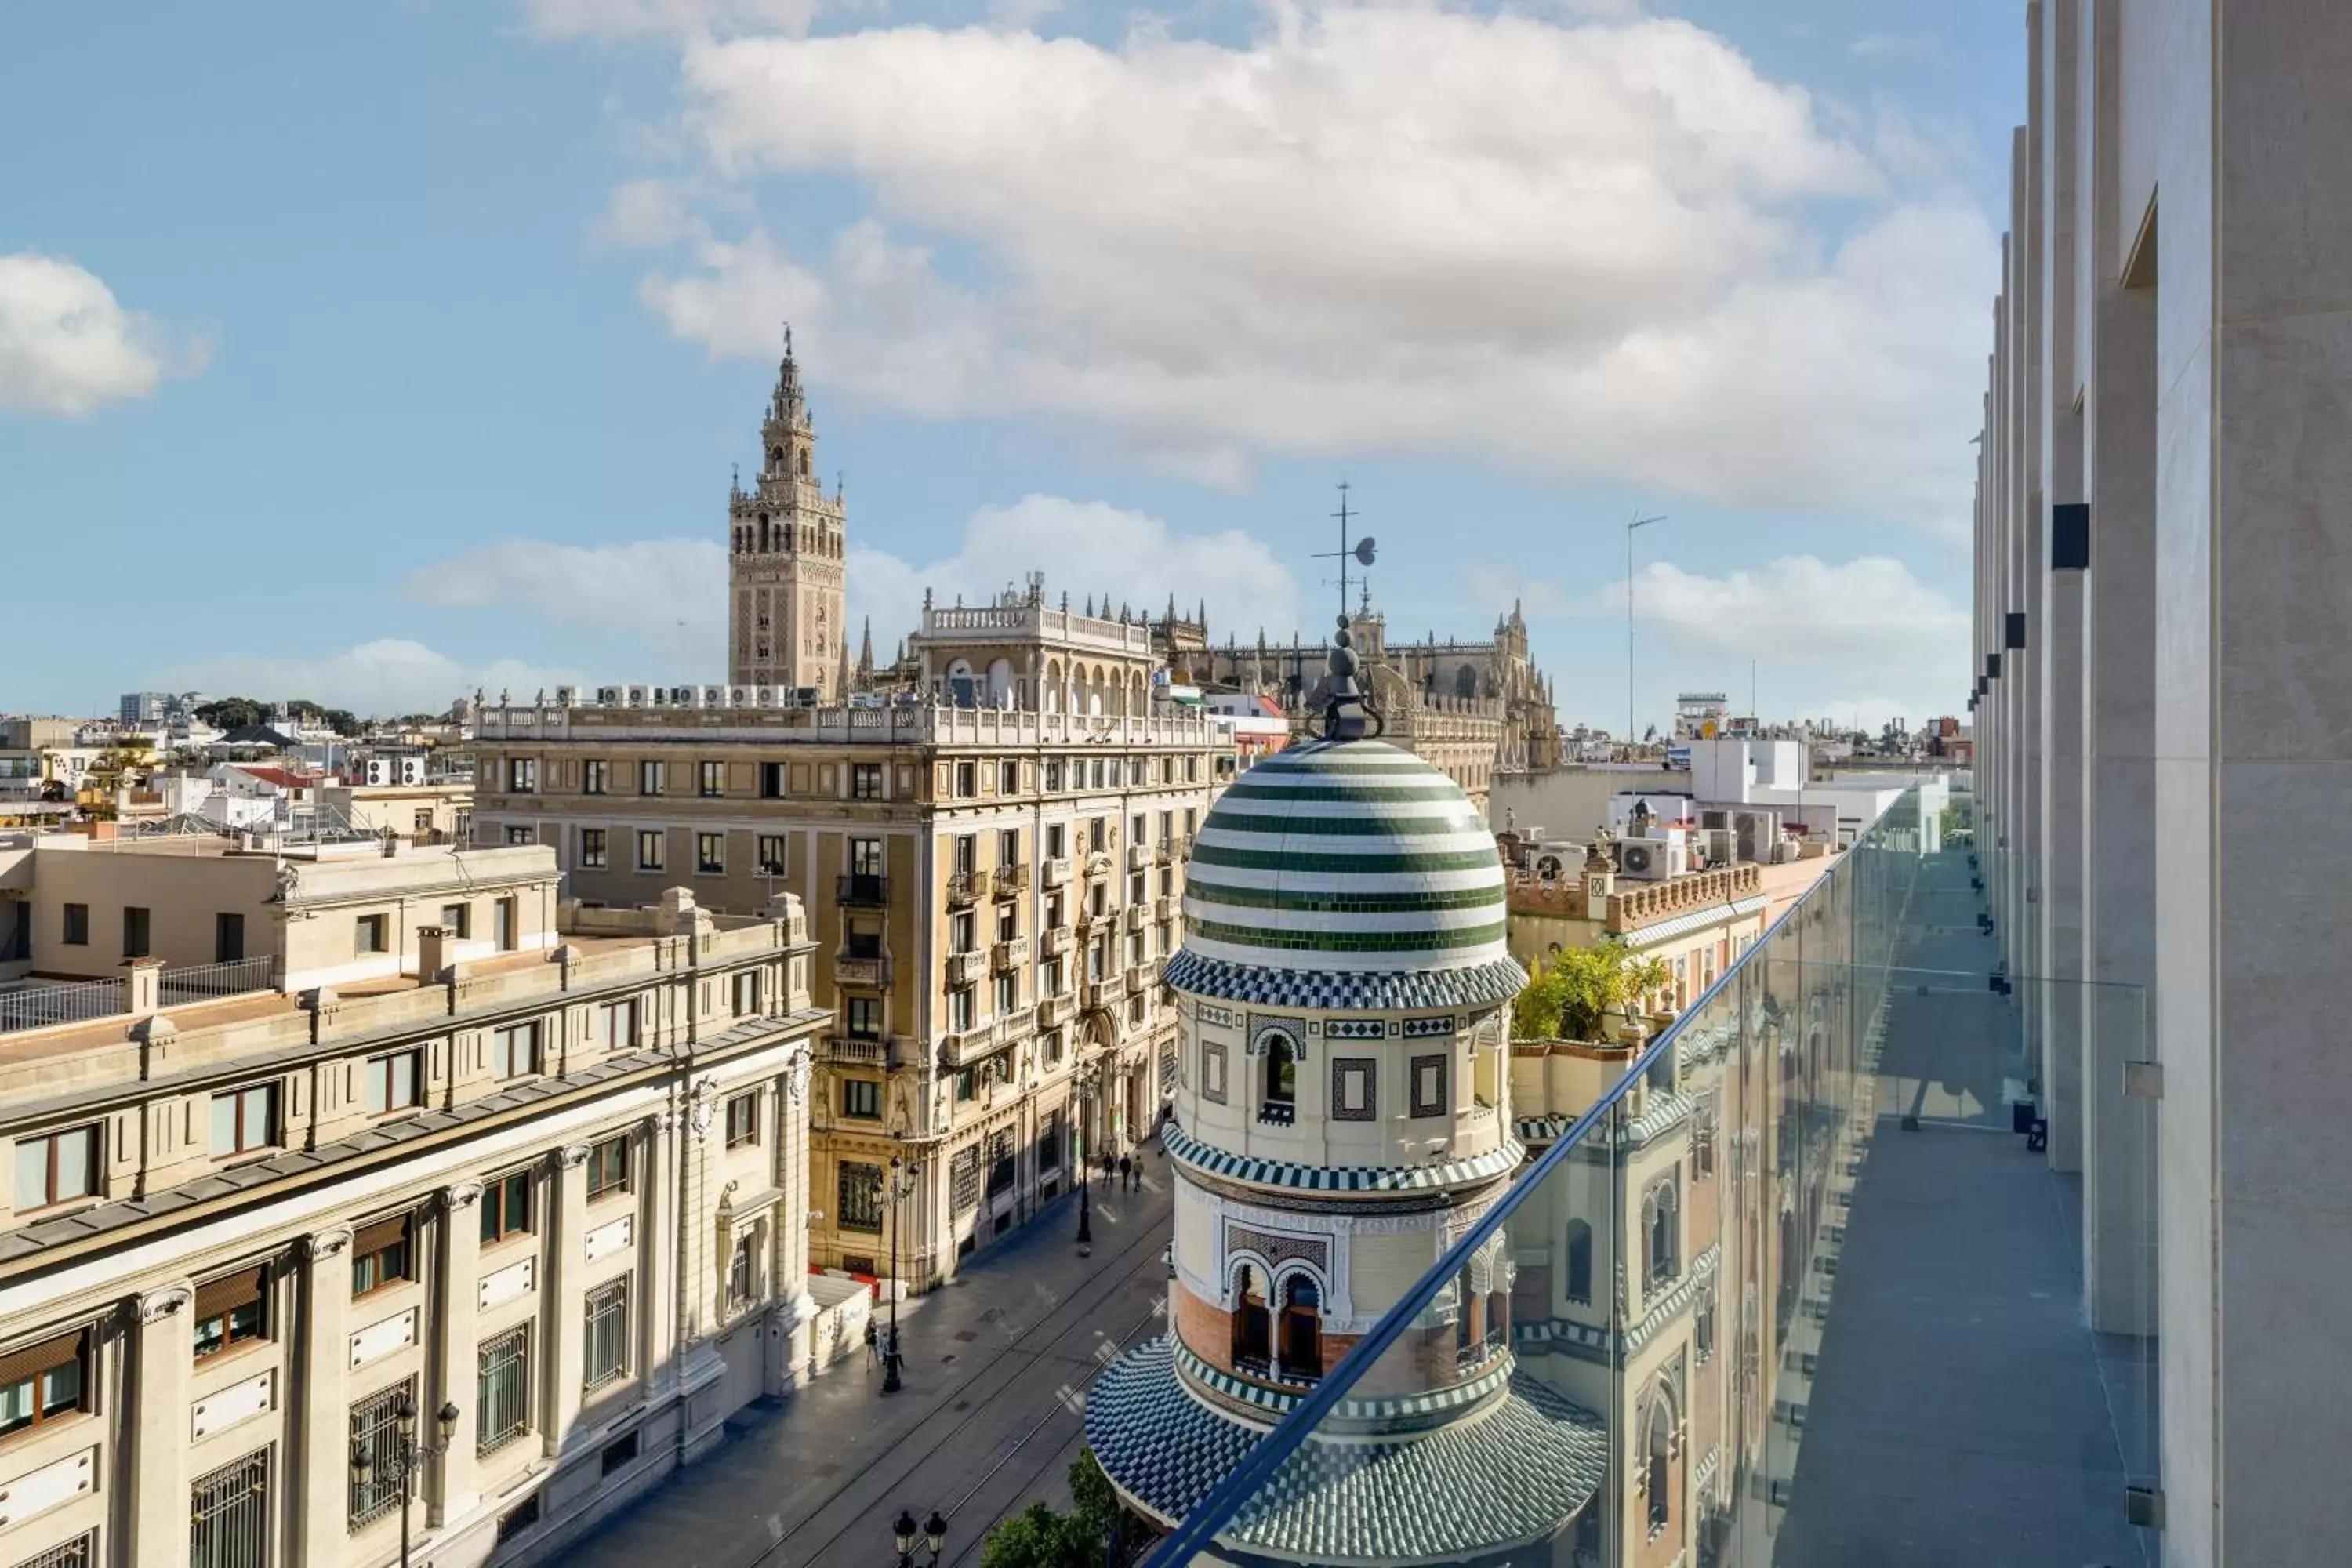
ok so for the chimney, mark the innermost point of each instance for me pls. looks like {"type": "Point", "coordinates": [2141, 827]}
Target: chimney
{"type": "Point", "coordinates": [143, 985]}
{"type": "Point", "coordinates": [433, 955]}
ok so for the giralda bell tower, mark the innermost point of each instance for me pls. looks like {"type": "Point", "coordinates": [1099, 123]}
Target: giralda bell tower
{"type": "Point", "coordinates": [786, 622]}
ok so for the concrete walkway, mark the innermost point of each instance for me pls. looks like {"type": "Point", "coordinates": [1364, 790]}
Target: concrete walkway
{"type": "Point", "coordinates": [1958, 1418]}
{"type": "Point", "coordinates": [997, 1363]}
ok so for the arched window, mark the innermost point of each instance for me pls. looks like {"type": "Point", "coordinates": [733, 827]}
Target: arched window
{"type": "Point", "coordinates": [804, 462]}
{"type": "Point", "coordinates": [1579, 1262]}
{"type": "Point", "coordinates": [775, 458]}
{"type": "Point", "coordinates": [1280, 1101]}
{"type": "Point", "coordinates": [1252, 1335]}
{"type": "Point", "coordinates": [1302, 1327]}
{"type": "Point", "coordinates": [1657, 1454]}
{"type": "Point", "coordinates": [1466, 682]}
{"type": "Point", "coordinates": [764, 533]}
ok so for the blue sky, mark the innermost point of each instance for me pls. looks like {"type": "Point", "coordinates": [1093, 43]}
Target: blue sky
{"type": "Point", "coordinates": [371, 353]}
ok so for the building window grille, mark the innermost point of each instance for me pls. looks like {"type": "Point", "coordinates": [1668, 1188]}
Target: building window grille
{"type": "Point", "coordinates": [81, 1551]}
{"type": "Point", "coordinates": [963, 1178]}
{"type": "Point", "coordinates": [1050, 1139]}
{"type": "Point", "coordinates": [607, 1348]}
{"type": "Point", "coordinates": [229, 1515]}
{"type": "Point", "coordinates": [375, 1431]}
{"type": "Point", "coordinates": [502, 1395]}
{"type": "Point", "coordinates": [1001, 1164]}
{"type": "Point", "coordinates": [860, 1197]}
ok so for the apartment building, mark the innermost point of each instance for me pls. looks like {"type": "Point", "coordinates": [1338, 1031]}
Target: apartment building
{"type": "Point", "coordinates": [544, 1202]}
{"type": "Point", "coordinates": [991, 889]}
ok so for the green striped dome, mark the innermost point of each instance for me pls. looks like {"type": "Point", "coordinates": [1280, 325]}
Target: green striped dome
{"type": "Point", "coordinates": [1346, 855]}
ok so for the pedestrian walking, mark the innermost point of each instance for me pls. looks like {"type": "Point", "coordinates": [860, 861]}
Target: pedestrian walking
{"type": "Point", "coordinates": [873, 1346]}
{"type": "Point", "coordinates": [1125, 1174]}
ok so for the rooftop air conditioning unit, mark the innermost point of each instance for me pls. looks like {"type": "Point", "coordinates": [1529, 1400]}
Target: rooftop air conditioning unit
{"type": "Point", "coordinates": [567, 697]}
{"type": "Point", "coordinates": [685, 696]}
{"type": "Point", "coordinates": [763, 696]}
{"type": "Point", "coordinates": [739, 696]}
{"type": "Point", "coordinates": [610, 696]}
{"type": "Point", "coordinates": [1550, 867]}
{"type": "Point", "coordinates": [637, 697]}
{"type": "Point", "coordinates": [716, 697]}
{"type": "Point", "coordinates": [377, 771]}
{"type": "Point", "coordinates": [1759, 832]}
{"type": "Point", "coordinates": [1651, 860]}
{"type": "Point", "coordinates": [1714, 819]}
{"type": "Point", "coordinates": [1722, 845]}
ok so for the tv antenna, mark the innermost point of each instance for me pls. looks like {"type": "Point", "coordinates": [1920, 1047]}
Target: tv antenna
{"type": "Point", "coordinates": [1363, 553]}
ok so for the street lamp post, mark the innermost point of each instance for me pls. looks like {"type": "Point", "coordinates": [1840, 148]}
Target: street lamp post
{"type": "Point", "coordinates": [1086, 1162]}
{"type": "Point", "coordinates": [897, 1187]}
{"type": "Point", "coordinates": [933, 1535]}
{"type": "Point", "coordinates": [407, 1457]}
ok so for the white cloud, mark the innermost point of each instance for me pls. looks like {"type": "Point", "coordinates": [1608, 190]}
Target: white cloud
{"type": "Point", "coordinates": [668, 595]}
{"type": "Point", "coordinates": [1880, 45]}
{"type": "Point", "coordinates": [1085, 549]}
{"type": "Point", "coordinates": [648, 213]}
{"type": "Point", "coordinates": [387, 676]}
{"type": "Point", "coordinates": [1583, 249]}
{"type": "Point", "coordinates": [1819, 630]}
{"type": "Point", "coordinates": [642, 18]}
{"type": "Point", "coordinates": [69, 348]}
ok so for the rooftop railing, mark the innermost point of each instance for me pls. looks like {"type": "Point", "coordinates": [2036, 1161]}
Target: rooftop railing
{"type": "Point", "coordinates": [1801, 1287]}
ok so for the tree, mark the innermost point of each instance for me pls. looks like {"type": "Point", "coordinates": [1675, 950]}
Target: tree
{"type": "Point", "coordinates": [1567, 997]}
{"type": "Point", "coordinates": [233, 712]}
{"type": "Point", "coordinates": [1096, 1529]}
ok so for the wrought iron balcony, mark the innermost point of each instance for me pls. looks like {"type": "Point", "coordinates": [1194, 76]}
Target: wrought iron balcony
{"type": "Point", "coordinates": [861, 889]}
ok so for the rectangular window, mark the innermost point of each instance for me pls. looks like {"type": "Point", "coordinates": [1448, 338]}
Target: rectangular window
{"type": "Point", "coordinates": [370, 934]}
{"type": "Point", "coordinates": [709, 854]}
{"type": "Point", "coordinates": [506, 1207]}
{"type": "Point", "coordinates": [865, 1016]}
{"type": "Point", "coordinates": [1429, 1095]}
{"type": "Point", "coordinates": [743, 1120]}
{"type": "Point", "coordinates": [55, 1169]}
{"type": "Point", "coordinates": [962, 931]}
{"type": "Point", "coordinates": [1053, 775]}
{"type": "Point", "coordinates": [651, 777]}
{"type": "Point", "coordinates": [502, 1389]}
{"type": "Point", "coordinates": [861, 1098]}
{"type": "Point", "coordinates": [959, 1009]}
{"type": "Point", "coordinates": [1097, 829]}
{"type": "Point", "coordinates": [245, 1119]}
{"type": "Point", "coordinates": [866, 780]}
{"type": "Point", "coordinates": [616, 1026]}
{"type": "Point", "coordinates": [608, 1167]}
{"type": "Point", "coordinates": [592, 850]}
{"type": "Point", "coordinates": [772, 781]}
{"type": "Point", "coordinates": [1008, 921]}
{"type": "Point", "coordinates": [711, 780]}
{"type": "Point", "coordinates": [1008, 778]}
{"type": "Point", "coordinates": [594, 776]}
{"type": "Point", "coordinates": [1008, 848]}
{"type": "Point", "coordinates": [229, 938]}
{"type": "Point", "coordinates": [377, 1490]}
{"type": "Point", "coordinates": [1052, 1044]}
{"type": "Point", "coordinates": [741, 1273]}
{"type": "Point", "coordinates": [77, 925]}
{"type": "Point", "coordinates": [746, 994]}
{"type": "Point", "coordinates": [618, 1455]}
{"type": "Point", "coordinates": [607, 1348]}
{"type": "Point", "coordinates": [383, 1253]}
{"type": "Point", "coordinates": [649, 850]}
{"type": "Point", "coordinates": [231, 1311]}
{"type": "Point", "coordinates": [967, 854]}
{"type": "Point", "coordinates": [864, 939]}
{"type": "Point", "coordinates": [1008, 995]}
{"type": "Point", "coordinates": [859, 1193]}
{"type": "Point", "coordinates": [1191, 813]}
{"type": "Point", "coordinates": [1052, 977]}
{"type": "Point", "coordinates": [1139, 829]}
{"type": "Point", "coordinates": [457, 920]}
{"type": "Point", "coordinates": [514, 1050]}
{"type": "Point", "coordinates": [396, 1082]}
{"type": "Point", "coordinates": [520, 1518]}
{"type": "Point", "coordinates": [963, 1178]}
{"type": "Point", "coordinates": [43, 1382]}
{"type": "Point", "coordinates": [506, 917]}
{"type": "Point", "coordinates": [1050, 1139]}
{"type": "Point", "coordinates": [135, 924]}
{"type": "Point", "coordinates": [967, 780]}
{"type": "Point", "coordinates": [231, 1514]}
{"type": "Point", "coordinates": [522, 775]}
{"type": "Point", "coordinates": [865, 856]}
{"type": "Point", "coordinates": [1001, 1166]}
{"type": "Point", "coordinates": [771, 854]}
{"type": "Point", "coordinates": [522, 835]}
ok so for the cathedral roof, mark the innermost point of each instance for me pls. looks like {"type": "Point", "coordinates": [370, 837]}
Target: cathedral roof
{"type": "Point", "coordinates": [1345, 857]}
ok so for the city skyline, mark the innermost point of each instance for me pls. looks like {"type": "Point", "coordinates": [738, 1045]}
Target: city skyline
{"type": "Point", "coordinates": [475, 396]}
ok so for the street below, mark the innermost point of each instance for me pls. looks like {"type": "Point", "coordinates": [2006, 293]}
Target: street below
{"type": "Point", "coordinates": [997, 1364]}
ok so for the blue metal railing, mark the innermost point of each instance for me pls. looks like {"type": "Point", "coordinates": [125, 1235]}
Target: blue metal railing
{"type": "Point", "coordinates": [1257, 1468]}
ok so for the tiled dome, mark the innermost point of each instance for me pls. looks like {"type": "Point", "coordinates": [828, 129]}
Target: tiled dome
{"type": "Point", "coordinates": [1345, 856]}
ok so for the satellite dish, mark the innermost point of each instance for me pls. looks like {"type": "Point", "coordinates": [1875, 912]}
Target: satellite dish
{"type": "Point", "coordinates": [1364, 553]}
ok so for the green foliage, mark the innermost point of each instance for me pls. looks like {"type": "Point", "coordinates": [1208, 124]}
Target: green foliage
{"type": "Point", "coordinates": [1038, 1537]}
{"type": "Point", "coordinates": [237, 713]}
{"type": "Point", "coordinates": [1567, 997]}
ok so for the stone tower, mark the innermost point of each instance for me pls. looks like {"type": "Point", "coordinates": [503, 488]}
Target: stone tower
{"type": "Point", "coordinates": [785, 556]}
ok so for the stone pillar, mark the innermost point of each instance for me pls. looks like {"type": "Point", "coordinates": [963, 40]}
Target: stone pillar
{"type": "Point", "coordinates": [2057, 635]}
{"type": "Point", "coordinates": [460, 1374]}
{"type": "Point", "coordinates": [566, 1326]}
{"type": "Point", "coordinates": [158, 1471]}
{"type": "Point", "coordinates": [2120, 465]}
{"type": "Point", "coordinates": [322, 1475]}
{"type": "Point", "coordinates": [657, 1260]}
{"type": "Point", "coordinates": [2253, 765]}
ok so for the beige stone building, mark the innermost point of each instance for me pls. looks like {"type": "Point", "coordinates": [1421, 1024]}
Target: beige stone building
{"type": "Point", "coordinates": [548, 1194]}
{"type": "Point", "coordinates": [991, 889]}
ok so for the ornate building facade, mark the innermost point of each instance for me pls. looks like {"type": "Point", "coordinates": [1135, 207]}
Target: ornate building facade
{"type": "Point", "coordinates": [1343, 1115]}
{"type": "Point", "coordinates": [786, 624]}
